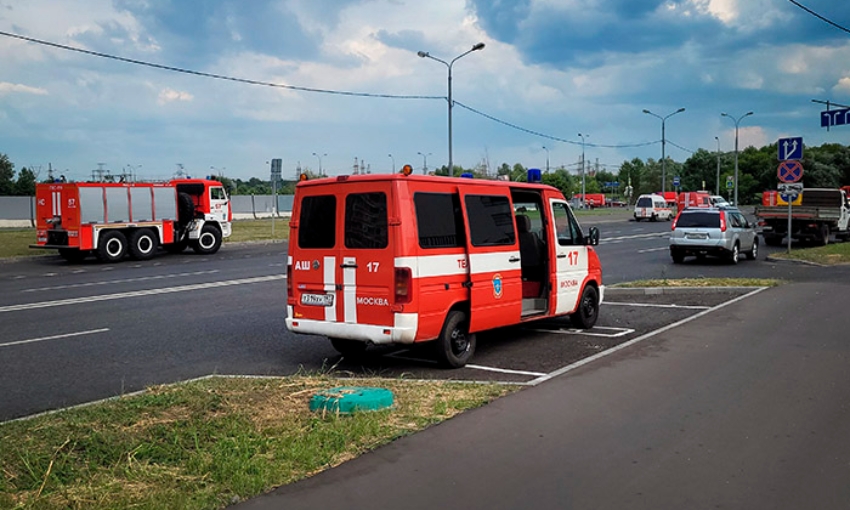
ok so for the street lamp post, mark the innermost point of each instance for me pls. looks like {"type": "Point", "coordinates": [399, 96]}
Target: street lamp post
{"type": "Point", "coordinates": [320, 162]}
{"type": "Point", "coordinates": [547, 158]}
{"type": "Point", "coordinates": [425, 162]}
{"type": "Point", "coordinates": [582, 136]}
{"type": "Point", "coordinates": [664, 146]}
{"type": "Point", "coordinates": [425, 54]}
{"type": "Point", "coordinates": [392, 158]}
{"type": "Point", "coordinates": [736, 121]}
{"type": "Point", "coordinates": [717, 184]}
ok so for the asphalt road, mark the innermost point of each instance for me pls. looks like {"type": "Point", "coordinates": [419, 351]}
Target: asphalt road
{"type": "Point", "coordinates": [747, 407]}
{"type": "Point", "coordinates": [71, 334]}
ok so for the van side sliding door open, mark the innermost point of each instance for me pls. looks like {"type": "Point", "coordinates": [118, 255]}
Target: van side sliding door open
{"type": "Point", "coordinates": [494, 258]}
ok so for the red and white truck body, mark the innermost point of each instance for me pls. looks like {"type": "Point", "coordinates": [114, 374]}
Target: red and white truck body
{"type": "Point", "coordinates": [114, 219]}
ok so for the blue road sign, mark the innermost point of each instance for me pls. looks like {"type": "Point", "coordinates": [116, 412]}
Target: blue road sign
{"type": "Point", "coordinates": [790, 148]}
{"type": "Point", "coordinates": [835, 117]}
{"type": "Point", "coordinates": [790, 171]}
{"type": "Point", "coordinates": [676, 181]}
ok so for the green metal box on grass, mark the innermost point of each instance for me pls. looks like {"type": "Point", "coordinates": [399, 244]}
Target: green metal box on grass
{"type": "Point", "coordinates": [349, 399]}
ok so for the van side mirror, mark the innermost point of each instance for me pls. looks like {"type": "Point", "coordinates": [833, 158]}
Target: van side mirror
{"type": "Point", "coordinates": [592, 237]}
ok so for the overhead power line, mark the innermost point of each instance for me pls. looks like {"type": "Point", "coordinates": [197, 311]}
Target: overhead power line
{"type": "Point", "coordinates": [822, 18]}
{"type": "Point", "coordinates": [310, 89]}
{"type": "Point", "coordinates": [550, 137]}
{"type": "Point", "coordinates": [213, 75]}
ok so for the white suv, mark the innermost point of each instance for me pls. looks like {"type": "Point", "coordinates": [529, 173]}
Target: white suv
{"type": "Point", "coordinates": [721, 232]}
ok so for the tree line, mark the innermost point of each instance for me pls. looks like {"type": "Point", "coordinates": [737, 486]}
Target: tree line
{"type": "Point", "coordinates": [826, 166]}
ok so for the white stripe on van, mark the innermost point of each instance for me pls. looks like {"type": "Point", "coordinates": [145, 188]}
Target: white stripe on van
{"type": "Point", "coordinates": [349, 290]}
{"type": "Point", "coordinates": [491, 262]}
{"type": "Point", "coordinates": [330, 287]}
{"type": "Point", "coordinates": [435, 265]}
{"type": "Point", "coordinates": [431, 266]}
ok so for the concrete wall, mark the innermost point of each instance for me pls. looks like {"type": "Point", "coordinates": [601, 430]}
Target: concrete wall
{"type": "Point", "coordinates": [16, 211]}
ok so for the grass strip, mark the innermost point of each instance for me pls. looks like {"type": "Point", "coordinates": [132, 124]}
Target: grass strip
{"type": "Point", "coordinates": [829, 255]}
{"type": "Point", "coordinates": [209, 443]}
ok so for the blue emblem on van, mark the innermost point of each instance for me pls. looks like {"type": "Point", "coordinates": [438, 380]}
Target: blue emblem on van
{"type": "Point", "coordinates": [497, 285]}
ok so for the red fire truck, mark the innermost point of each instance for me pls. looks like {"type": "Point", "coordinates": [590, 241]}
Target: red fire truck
{"type": "Point", "coordinates": [114, 219]}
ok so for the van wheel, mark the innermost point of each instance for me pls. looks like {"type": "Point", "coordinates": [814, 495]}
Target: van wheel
{"type": "Point", "coordinates": [588, 309]}
{"type": "Point", "coordinates": [112, 246]}
{"type": "Point", "coordinates": [455, 344]}
{"type": "Point", "coordinates": [653, 218]}
{"type": "Point", "coordinates": [209, 241]}
{"type": "Point", "coordinates": [349, 348]}
{"type": "Point", "coordinates": [143, 244]}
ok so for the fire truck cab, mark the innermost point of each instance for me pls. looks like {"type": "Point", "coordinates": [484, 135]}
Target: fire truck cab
{"type": "Point", "coordinates": [400, 259]}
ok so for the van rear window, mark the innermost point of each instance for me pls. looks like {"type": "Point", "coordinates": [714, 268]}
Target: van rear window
{"type": "Point", "coordinates": [644, 202]}
{"type": "Point", "coordinates": [699, 219]}
{"type": "Point", "coordinates": [317, 222]}
{"type": "Point", "coordinates": [439, 220]}
{"type": "Point", "coordinates": [491, 220]}
{"type": "Point", "coordinates": [366, 221]}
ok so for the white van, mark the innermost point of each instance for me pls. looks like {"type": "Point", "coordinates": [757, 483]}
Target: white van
{"type": "Point", "coordinates": [652, 207]}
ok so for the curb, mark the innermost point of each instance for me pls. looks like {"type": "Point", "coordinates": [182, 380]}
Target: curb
{"type": "Point", "coordinates": [649, 291]}
{"type": "Point", "coordinates": [795, 261]}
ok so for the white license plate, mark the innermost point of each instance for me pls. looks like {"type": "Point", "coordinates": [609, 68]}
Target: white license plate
{"type": "Point", "coordinates": [697, 236]}
{"type": "Point", "coordinates": [317, 299]}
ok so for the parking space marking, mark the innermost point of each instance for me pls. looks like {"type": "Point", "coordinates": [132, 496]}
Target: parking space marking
{"type": "Point", "coordinates": [55, 337]}
{"type": "Point", "coordinates": [505, 370]}
{"type": "Point", "coordinates": [615, 332]}
{"type": "Point", "coordinates": [591, 359]}
{"type": "Point", "coordinates": [658, 305]}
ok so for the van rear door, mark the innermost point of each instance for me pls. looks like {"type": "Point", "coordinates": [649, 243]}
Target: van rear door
{"type": "Point", "coordinates": [494, 258]}
{"type": "Point", "coordinates": [366, 265]}
{"type": "Point", "coordinates": [315, 253]}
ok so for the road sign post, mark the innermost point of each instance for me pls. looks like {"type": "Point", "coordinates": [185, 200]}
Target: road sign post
{"type": "Point", "coordinates": [790, 190]}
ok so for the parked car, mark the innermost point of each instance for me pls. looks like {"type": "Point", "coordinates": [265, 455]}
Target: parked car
{"type": "Point", "coordinates": [715, 231]}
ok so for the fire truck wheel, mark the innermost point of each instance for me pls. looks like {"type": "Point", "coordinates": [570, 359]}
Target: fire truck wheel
{"type": "Point", "coordinates": [112, 246]}
{"type": "Point", "coordinates": [209, 241]}
{"type": "Point", "coordinates": [349, 348]}
{"type": "Point", "coordinates": [143, 244]}
{"type": "Point", "coordinates": [72, 255]}
{"type": "Point", "coordinates": [588, 309]}
{"type": "Point", "coordinates": [455, 344]}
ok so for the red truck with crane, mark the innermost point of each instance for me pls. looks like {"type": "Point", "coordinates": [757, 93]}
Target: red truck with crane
{"type": "Point", "coordinates": [112, 220]}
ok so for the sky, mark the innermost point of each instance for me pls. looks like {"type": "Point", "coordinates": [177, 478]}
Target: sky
{"type": "Point", "coordinates": [550, 71]}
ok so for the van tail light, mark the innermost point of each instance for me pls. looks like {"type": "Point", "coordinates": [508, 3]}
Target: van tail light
{"type": "Point", "coordinates": [722, 221]}
{"type": "Point", "coordinates": [403, 279]}
{"type": "Point", "coordinates": [289, 280]}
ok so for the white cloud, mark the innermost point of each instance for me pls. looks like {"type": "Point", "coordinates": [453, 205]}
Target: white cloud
{"type": "Point", "coordinates": [843, 85]}
{"type": "Point", "coordinates": [12, 88]}
{"type": "Point", "coordinates": [171, 95]}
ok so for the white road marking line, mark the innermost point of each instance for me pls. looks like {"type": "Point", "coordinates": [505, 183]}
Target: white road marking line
{"type": "Point", "coordinates": [505, 370]}
{"type": "Point", "coordinates": [637, 236]}
{"type": "Point", "coordinates": [125, 280]}
{"type": "Point", "coordinates": [654, 305]}
{"type": "Point", "coordinates": [641, 338]}
{"type": "Point", "coordinates": [618, 332]}
{"type": "Point", "coordinates": [654, 249]}
{"type": "Point", "coordinates": [139, 293]}
{"type": "Point", "coordinates": [55, 337]}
